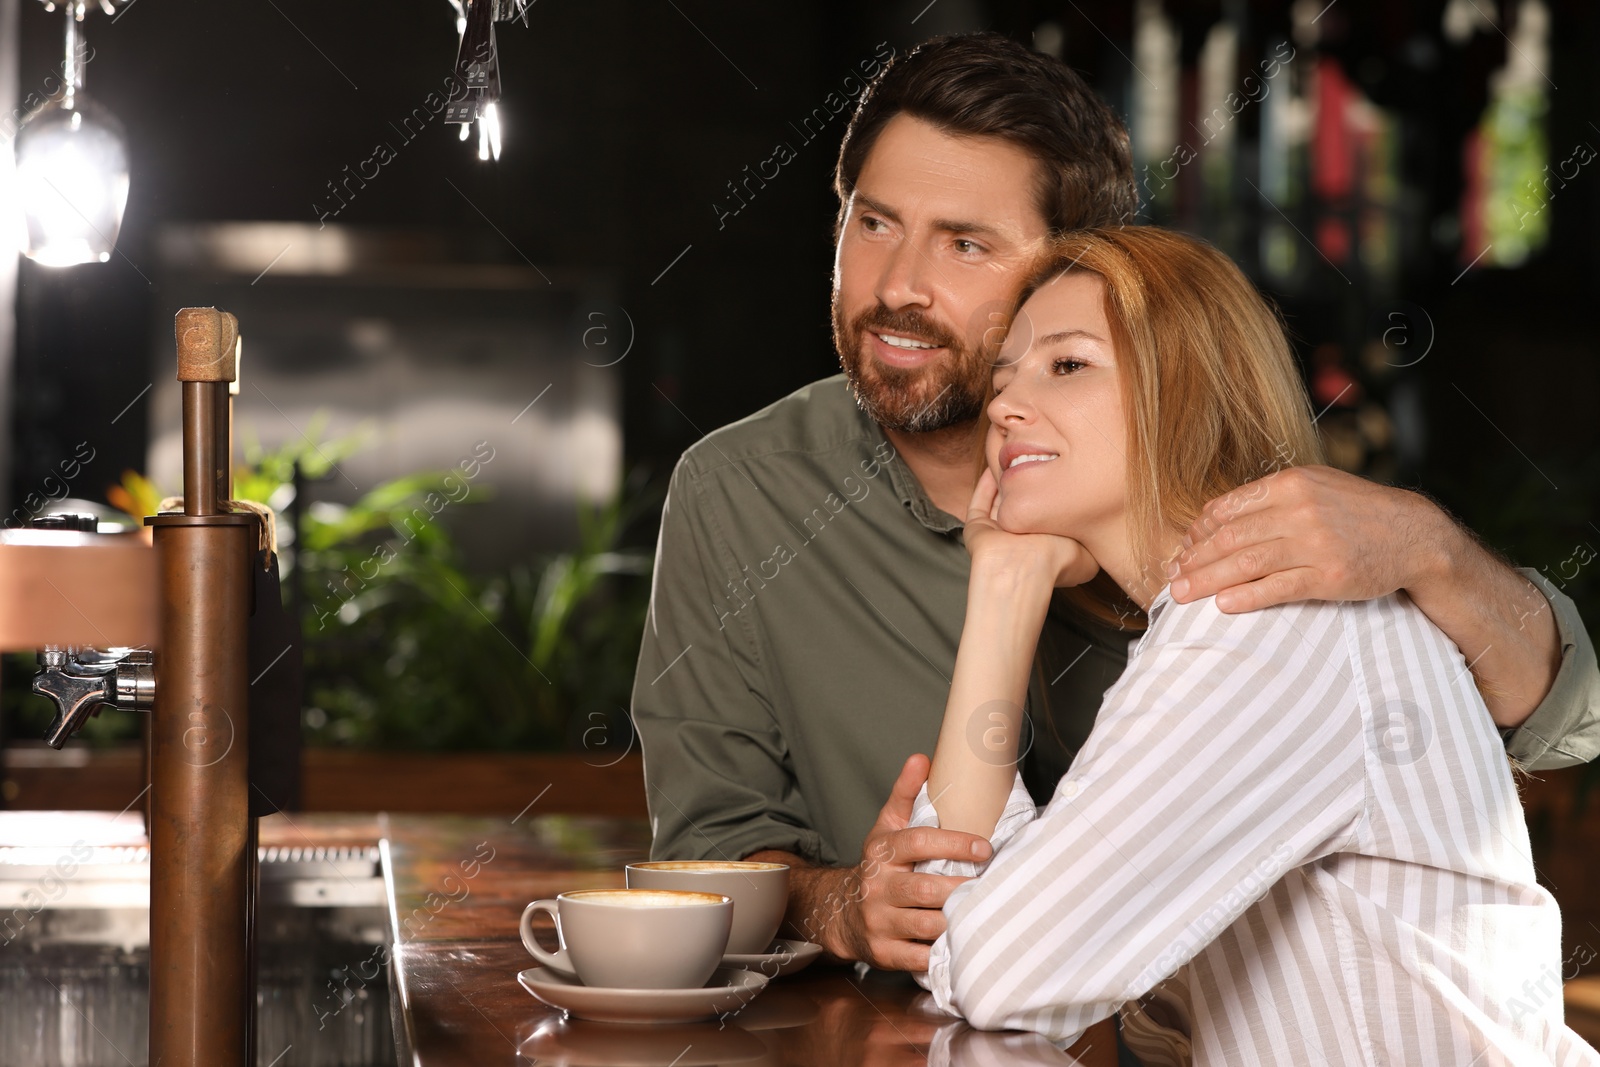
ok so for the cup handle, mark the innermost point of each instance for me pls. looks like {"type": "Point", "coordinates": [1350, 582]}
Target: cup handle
{"type": "Point", "coordinates": [557, 961]}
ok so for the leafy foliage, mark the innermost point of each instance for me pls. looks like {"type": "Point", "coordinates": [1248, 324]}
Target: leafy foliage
{"type": "Point", "coordinates": [405, 646]}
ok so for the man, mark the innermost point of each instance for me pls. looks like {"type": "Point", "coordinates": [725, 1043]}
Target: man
{"type": "Point", "coordinates": [810, 577]}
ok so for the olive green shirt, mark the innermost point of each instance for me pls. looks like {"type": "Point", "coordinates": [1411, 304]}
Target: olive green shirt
{"type": "Point", "coordinates": [807, 605]}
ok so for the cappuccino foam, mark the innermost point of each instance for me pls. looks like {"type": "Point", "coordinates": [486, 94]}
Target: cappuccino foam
{"type": "Point", "coordinates": [708, 866]}
{"type": "Point", "coordinates": [644, 898]}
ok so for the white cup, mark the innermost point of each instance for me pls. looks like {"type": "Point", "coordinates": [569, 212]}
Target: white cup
{"type": "Point", "coordinates": [634, 938]}
{"type": "Point", "coordinates": [760, 893]}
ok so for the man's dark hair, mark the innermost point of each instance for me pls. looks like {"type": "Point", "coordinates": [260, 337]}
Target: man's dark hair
{"type": "Point", "coordinates": [987, 85]}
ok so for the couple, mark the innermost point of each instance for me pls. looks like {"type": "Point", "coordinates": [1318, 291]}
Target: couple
{"type": "Point", "coordinates": [778, 705]}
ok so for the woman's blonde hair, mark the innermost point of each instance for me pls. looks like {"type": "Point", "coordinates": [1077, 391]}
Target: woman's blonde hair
{"type": "Point", "coordinates": [1211, 393]}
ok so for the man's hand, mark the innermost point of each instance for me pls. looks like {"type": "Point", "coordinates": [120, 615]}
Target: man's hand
{"type": "Point", "coordinates": [1315, 533]}
{"type": "Point", "coordinates": [1307, 533]}
{"type": "Point", "coordinates": [891, 913]}
{"type": "Point", "coordinates": [881, 911]}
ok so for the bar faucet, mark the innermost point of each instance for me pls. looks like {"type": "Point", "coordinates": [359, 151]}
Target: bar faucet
{"type": "Point", "coordinates": [81, 681]}
{"type": "Point", "coordinates": [198, 590]}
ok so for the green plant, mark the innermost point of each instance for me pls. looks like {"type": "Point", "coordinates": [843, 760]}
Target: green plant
{"type": "Point", "coordinates": [406, 646]}
{"type": "Point", "coordinates": [585, 609]}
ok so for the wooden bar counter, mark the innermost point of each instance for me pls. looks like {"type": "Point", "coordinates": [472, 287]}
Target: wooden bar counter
{"type": "Point", "coordinates": [457, 888]}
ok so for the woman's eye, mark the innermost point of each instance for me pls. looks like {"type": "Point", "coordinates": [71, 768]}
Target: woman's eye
{"type": "Point", "coordinates": [1067, 365]}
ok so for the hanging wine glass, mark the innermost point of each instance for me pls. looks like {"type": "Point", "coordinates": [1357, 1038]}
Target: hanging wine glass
{"type": "Point", "coordinates": [72, 168]}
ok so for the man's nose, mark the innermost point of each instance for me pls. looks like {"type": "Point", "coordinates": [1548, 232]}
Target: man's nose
{"type": "Point", "coordinates": [904, 281]}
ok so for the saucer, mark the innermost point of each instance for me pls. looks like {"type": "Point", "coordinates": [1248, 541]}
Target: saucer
{"type": "Point", "coordinates": [728, 990]}
{"type": "Point", "coordinates": [786, 958]}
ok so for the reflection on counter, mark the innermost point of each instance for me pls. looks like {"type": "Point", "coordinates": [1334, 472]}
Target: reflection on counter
{"type": "Point", "coordinates": [574, 1042]}
{"type": "Point", "coordinates": [787, 1028]}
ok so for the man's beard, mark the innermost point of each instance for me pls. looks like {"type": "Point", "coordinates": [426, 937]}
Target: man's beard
{"type": "Point", "coordinates": [922, 399]}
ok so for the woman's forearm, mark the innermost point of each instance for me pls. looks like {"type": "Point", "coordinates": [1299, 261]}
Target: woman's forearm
{"type": "Point", "coordinates": [975, 761]}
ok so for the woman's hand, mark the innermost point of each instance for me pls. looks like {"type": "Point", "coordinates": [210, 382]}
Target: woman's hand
{"type": "Point", "coordinates": [1033, 558]}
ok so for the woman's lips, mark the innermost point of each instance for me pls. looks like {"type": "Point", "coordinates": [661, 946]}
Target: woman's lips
{"type": "Point", "coordinates": [1012, 472]}
{"type": "Point", "coordinates": [1026, 451]}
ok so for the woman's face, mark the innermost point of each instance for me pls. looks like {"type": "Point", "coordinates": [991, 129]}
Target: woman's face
{"type": "Point", "coordinates": [1057, 434]}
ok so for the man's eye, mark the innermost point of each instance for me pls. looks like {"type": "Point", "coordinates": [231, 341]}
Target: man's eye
{"type": "Point", "coordinates": [871, 224]}
{"type": "Point", "coordinates": [966, 247]}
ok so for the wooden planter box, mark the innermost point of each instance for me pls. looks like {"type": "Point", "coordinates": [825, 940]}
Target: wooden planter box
{"type": "Point", "coordinates": [475, 783]}
{"type": "Point", "coordinates": [479, 783]}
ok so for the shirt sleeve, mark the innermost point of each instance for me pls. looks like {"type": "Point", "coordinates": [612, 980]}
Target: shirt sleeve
{"type": "Point", "coordinates": [1565, 728]}
{"type": "Point", "coordinates": [1020, 810]}
{"type": "Point", "coordinates": [1231, 752]}
{"type": "Point", "coordinates": [718, 779]}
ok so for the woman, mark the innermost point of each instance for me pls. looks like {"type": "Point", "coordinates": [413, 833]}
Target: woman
{"type": "Point", "coordinates": [1306, 808]}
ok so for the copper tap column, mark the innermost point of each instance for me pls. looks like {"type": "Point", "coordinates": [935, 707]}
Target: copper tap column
{"type": "Point", "coordinates": [200, 839]}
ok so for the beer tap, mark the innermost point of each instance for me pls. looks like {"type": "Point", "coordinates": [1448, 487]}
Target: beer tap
{"type": "Point", "coordinates": [198, 604]}
{"type": "Point", "coordinates": [81, 681]}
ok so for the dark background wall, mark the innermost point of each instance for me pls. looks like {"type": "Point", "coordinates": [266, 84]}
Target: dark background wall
{"type": "Point", "coordinates": [625, 121]}
{"type": "Point", "coordinates": [624, 125]}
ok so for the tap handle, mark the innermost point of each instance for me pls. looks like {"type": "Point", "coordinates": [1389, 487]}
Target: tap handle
{"type": "Point", "coordinates": [75, 697]}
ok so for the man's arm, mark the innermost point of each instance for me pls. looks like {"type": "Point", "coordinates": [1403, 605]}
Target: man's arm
{"type": "Point", "coordinates": [1565, 730]}
{"type": "Point", "coordinates": [1314, 533]}
{"type": "Point", "coordinates": [716, 773]}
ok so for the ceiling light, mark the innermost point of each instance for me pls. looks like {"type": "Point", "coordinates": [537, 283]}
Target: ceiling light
{"type": "Point", "coordinates": [72, 169]}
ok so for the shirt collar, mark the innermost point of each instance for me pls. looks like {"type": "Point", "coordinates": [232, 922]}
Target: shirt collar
{"type": "Point", "coordinates": [906, 486]}
{"type": "Point", "coordinates": [1161, 603]}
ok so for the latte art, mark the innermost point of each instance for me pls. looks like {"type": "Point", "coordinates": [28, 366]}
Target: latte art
{"type": "Point", "coordinates": [646, 898]}
{"type": "Point", "coordinates": [708, 865]}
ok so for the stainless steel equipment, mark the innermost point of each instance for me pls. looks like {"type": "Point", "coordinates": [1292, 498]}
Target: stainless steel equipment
{"type": "Point", "coordinates": [75, 925]}
{"type": "Point", "coordinates": [83, 680]}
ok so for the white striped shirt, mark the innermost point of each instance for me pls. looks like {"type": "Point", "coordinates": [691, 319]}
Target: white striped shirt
{"type": "Point", "coordinates": [1311, 808]}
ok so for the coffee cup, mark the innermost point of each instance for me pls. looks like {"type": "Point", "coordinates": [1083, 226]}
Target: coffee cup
{"type": "Point", "coordinates": [634, 938]}
{"type": "Point", "coordinates": [760, 893]}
